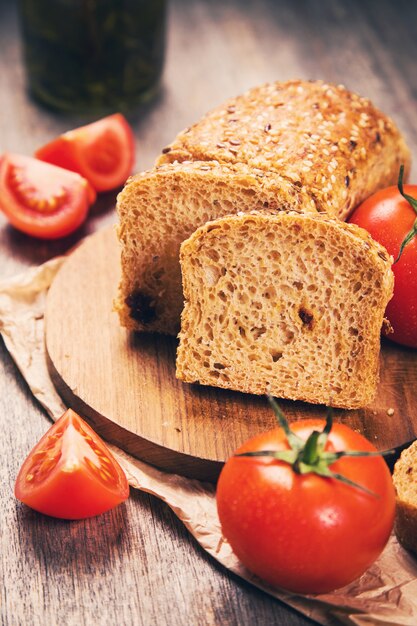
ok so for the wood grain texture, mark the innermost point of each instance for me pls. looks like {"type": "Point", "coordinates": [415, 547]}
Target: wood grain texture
{"type": "Point", "coordinates": [125, 383]}
{"type": "Point", "coordinates": [137, 565]}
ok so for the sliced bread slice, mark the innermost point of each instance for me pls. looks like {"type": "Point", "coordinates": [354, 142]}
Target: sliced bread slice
{"type": "Point", "coordinates": [160, 208]}
{"type": "Point", "coordinates": [405, 483]}
{"type": "Point", "coordinates": [290, 304]}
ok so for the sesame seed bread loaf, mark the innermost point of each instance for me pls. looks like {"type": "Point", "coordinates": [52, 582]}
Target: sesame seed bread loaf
{"type": "Point", "coordinates": [295, 145]}
{"type": "Point", "coordinates": [319, 136]}
{"type": "Point", "coordinates": [405, 483]}
{"type": "Point", "coordinates": [289, 304]}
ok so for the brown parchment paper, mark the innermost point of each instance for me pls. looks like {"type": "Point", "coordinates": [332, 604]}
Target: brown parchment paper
{"type": "Point", "coordinates": [385, 594]}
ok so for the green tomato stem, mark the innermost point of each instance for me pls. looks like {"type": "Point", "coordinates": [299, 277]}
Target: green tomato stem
{"type": "Point", "coordinates": [310, 457]}
{"type": "Point", "coordinates": [310, 454]}
{"type": "Point", "coordinates": [413, 203]}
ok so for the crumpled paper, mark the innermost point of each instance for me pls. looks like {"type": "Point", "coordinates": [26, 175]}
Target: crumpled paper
{"type": "Point", "coordinates": [385, 594]}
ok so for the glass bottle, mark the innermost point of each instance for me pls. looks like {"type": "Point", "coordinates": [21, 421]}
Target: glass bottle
{"type": "Point", "coordinates": [93, 55]}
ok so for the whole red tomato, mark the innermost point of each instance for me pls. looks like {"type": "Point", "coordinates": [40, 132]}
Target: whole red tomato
{"type": "Point", "coordinates": [306, 532]}
{"type": "Point", "coordinates": [389, 217]}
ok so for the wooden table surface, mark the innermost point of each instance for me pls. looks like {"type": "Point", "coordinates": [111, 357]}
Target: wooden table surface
{"type": "Point", "coordinates": [137, 564]}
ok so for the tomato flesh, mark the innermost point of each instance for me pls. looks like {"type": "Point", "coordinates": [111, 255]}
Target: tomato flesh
{"type": "Point", "coordinates": [41, 199]}
{"type": "Point", "coordinates": [388, 217]}
{"type": "Point", "coordinates": [102, 152]}
{"type": "Point", "coordinates": [70, 473]}
{"type": "Point", "coordinates": [306, 533]}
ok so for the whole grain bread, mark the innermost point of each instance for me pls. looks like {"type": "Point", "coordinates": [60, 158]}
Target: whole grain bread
{"type": "Point", "coordinates": [289, 304]}
{"type": "Point", "coordinates": [160, 208]}
{"type": "Point", "coordinates": [295, 145]}
{"type": "Point", "coordinates": [405, 483]}
{"type": "Point", "coordinates": [319, 136]}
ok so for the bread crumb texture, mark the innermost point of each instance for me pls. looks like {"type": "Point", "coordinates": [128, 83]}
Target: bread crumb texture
{"type": "Point", "coordinates": [302, 145]}
{"type": "Point", "coordinates": [405, 483]}
{"type": "Point", "coordinates": [161, 208]}
{"type": "Point", "coordinates": [289, 304]}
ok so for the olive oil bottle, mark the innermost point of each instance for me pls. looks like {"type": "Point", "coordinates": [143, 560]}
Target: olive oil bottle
{"type": "Point", "coordinates": [93, 55]}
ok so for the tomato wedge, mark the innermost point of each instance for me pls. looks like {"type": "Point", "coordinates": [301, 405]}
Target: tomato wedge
{"type": "Point", "coordinates": [103, 152]}
{"type": "Point", "coordinates": [70, 473]}
{"type": "Point", "coordinates": [41, 199]}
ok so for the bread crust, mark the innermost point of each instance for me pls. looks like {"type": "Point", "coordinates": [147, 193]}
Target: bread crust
{"type": "Point", "coordinates": [229, 295]}
{"type": "Point", "coordinates": [405, 483]}
{"type": "Point", "coordinates": [296, 145]}
{"type": "Point", "coordinates": [334, 143]}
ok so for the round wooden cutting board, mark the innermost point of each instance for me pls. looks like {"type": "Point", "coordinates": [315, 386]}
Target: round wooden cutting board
{"type": "Point", "coordinates": [124, 383]}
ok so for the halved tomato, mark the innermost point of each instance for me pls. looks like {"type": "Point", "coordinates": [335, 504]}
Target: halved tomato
{"type": "Point", "coordinates": [103, 152]}
{"type": "Point", "coordinates": [70, 473]}
{"type": "Point", "coordinates": [41, 199]}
